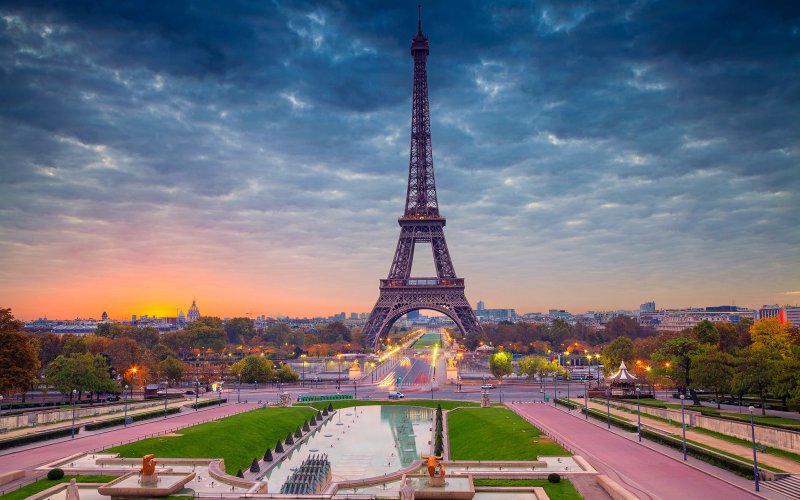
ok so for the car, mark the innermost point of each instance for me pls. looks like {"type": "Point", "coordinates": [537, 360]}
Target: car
{"type": "Point", "coordinates": [396, 395]}
{"type": "Point", "coordinates": [487, 386]}
{"type": "Point", "coordinates": [189, 393]}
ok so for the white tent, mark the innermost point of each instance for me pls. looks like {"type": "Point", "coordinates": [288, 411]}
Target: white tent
{"type": "Point", "coordinates": [622, 375]}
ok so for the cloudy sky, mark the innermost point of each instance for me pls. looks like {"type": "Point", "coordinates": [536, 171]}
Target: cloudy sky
{"type": "Point", "coordinates": [589, 155]}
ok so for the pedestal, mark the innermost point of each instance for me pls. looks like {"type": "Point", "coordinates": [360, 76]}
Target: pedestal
{"type": "Point", "coordinates": [436, 481]}
{"type": "Point", "coordinates": [485, 402]}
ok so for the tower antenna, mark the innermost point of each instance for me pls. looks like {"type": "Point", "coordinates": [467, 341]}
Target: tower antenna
{"type": "Point", "coordinates": [419, 18]}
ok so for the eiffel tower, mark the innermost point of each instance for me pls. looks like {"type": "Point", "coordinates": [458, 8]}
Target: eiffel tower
{"type": "Point", "coordinates": [421, 223]}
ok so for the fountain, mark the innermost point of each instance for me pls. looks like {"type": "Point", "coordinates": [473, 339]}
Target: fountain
{"type": "Point", "coordinates": [147, 483]}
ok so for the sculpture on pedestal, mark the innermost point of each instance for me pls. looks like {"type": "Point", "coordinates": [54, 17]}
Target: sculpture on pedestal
{"type": "Point", "coordinates": [435, 470]}
{"type": "Point", "coordinates": [148, 474]}
{"type": "Point", "coordinates": [72, 490]}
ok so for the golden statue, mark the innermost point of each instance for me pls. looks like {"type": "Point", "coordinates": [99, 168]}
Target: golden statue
{"type": "Point", "coordinates": [433, 462]}
{"type": "Point", "coordinates": [148, 465]}
{"type": "Point", "coordinates": [148, 473]}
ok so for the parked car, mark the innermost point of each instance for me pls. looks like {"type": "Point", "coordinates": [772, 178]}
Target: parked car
{"type": "Point", "coordinates": [487, 386]}
{"type": "Point", "coordinates": [396, 395]}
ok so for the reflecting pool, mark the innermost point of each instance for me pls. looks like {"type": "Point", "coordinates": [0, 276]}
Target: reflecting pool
{"type": "Point", "coordinates": [364, 441]}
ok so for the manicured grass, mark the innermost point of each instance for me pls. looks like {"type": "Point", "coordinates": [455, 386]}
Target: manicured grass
{"type": "Point", "coordinates": [733, 455]}
{"type": "Point", "coordinates": [428, 340]}
{"type": "Point", "coordinates": [761, 419]}
{"type": "Point", "coordinates": [45, 483]}
{"type": "Point", "coordinates": [496, 434]}
{"type": "Point", "coordinates": [238, 438]}
{"type": "Point", "coordinates": [746, 442]}
{"type": "Point", "coordinates": [556, 491]}
{"type": "Point", "coordinates": [425, 403]}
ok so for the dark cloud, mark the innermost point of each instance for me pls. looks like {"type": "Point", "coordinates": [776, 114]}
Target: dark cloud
{"type": "Point", "coordinates": [600, 137]}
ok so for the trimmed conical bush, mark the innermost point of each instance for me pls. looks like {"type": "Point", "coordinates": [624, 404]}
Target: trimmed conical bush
{"type": "Point", "coordinates": [254, 467]}
{"type": "Point", "coordinates": [289, 439]}
{"type": "Point", "coordinates": [325, 412]}
{"type": "Point", "coordinates": [306, 428]}
{"type": "Point", "coordinates": [279, 447]}
{"type": "Point", "coordinates": [330, 407]}
{"type": "Point", "coordinates": [268, 455]}
{"type": "Point", "coordinates": [319, 415]}
{"type": "Point", "coordinates": [240, 474]}
{"type": "Point", "coordinates": [298, 433]}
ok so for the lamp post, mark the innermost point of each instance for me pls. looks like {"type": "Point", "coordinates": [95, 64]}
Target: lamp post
{"type": "Point", "coordinates": [639, 411]}
{"type": "Point", "coordinates": [125, 390]}
{"type": "Point", "coordinates": [586, 399]}
{"type": "Point", "coordinates": [339, 375]}
{"type": "Point", "coordinates": [1, 405]}
{"type": "Point", "coordinates": [239, 389]}
{"type": "Point", "coordinates": [74, 393]}
{"type": "Point", "coordinates": [608, 406]}
{"type": "Point", "coordinates": [303, 377]}
{"type": "Point", "coordinates": [166, 383]}
{"type": "Point", "coordinates": [196, 382]}
{"type": "Point", "coordinates": [753, 434]}
{"type": "Point", "coordinates": [683, 425]}
{"type": "Point", "coordinates": [569, 403]}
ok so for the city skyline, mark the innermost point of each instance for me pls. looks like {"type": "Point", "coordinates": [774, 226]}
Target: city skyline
{"type": "Point", "coordinates": [589, 158]}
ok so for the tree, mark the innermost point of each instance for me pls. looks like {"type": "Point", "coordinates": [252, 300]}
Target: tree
{"type": "Point", "coordinates": [253, 369]}
{"type": "Point", "coordinates": [756, 372]}
{"type": "Point", "coordinates": [19, 358]}
{"type": "Point", "coordinates": [786, 384]}
{"type": "Point", "coordinates": [529, 366]}
{"type": "Point", "coordinates": [286, 374]}
{"type": "Point", "coordinates": [770, 334]}
{"type": "Point", "coordinates": [712, 370]}
{"type": "Point", "coordinates": [206, 333]}
{"type": "Point", "coordinates": [335, 331]}
{"type": "Point", "coordinates": [728, 337]}
{"type": "Point", "coordinates": [8, 323]}
{"type": "Point", "coordinates": [620, 349]}
{"type": "Point", "coordinates": [674, 359]}
{"type": "Point", "coordinates": [240, 330]}
{"type": "Point", "coordinates": [172, 369]}
{"type": "Point", "coordinates": [500, 365]}
{"type": "Point", "coordinates": [80, 372]}
{"type": "Point", "coordinates": [706, 333]}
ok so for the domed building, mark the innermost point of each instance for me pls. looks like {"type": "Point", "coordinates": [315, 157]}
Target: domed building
{"type": "Point", "coordinates": [194, 312]}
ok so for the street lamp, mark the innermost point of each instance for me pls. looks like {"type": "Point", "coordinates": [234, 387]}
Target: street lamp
{"type": "Point", "coordinates": [196, 392]}
{"type": "Point", "coordinates": [239, 389]}
{"type": "Point", "coordinates": [166, 383]}
{"type": "Point", "coordinates": [74, 393]}
{"type": "Point", "coordinates": [339, 375]}
{"type": "Point", "coordinates": [753, 434]}
{"type": "Point", "coordinates": [639, 410]}
{"type": "Point", "coordinates": [683, 424]}
{"type": "Point", "coordinates": [608, 406]}
{"type": "Point", "coordinates": [569, 403]}
{"type": "Point", "coordinates": [586, 398]}
{"type": "Point", "coordinates": [125, 390]}
{"type": "Point", "coordinates": [303, 377]}
{"type": "Point", "coordinates": [1, 405]}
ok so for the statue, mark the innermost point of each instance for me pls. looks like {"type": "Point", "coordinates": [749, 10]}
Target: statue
{"type": "Point", "coordinates": [354, 365]}
{"type": "Point", "coordinates": [72, 490]}
{"type": "Point", "coordinates": [148, 474]}
{"type": "Point", "coordinates": [433, 462]}
{"type": "Point", "coordinates": [406, 491]}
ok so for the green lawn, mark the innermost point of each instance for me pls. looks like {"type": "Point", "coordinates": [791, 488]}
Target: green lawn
{"type": "Point", "coordinates": [426, 403]}
{"type": "Point", "coordinates": [428, 340]}
{"type": "Point", "coordinates": [496, 434]}
{"type": "Point", "coordinates": [238, 438]}
{"type": "Point", "coordinates": [556, 491]}
{"type": "Point", "coordinates": [43, 484]}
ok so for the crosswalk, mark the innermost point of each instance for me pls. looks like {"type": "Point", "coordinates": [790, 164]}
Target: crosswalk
{"type": "Point", "coordinates": [789, 486]}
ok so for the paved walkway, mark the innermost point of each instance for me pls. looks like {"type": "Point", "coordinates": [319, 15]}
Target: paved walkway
{"type": "Point", "coordinates": [639, 469]}
{"type": "Point", "coordinates": [49, 451]}
{"type": "Point", "coordinates": [742, 451]}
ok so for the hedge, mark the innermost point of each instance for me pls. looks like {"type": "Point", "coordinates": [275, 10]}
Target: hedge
{"type": "Point", "coordinates": [135, 418]}
{"type": "Point", "coordinates": [736, 466]}
{"type": "Point", "coordinates": [208, 402]}
{"type": "Point", "coordinates": [36, 437]}
{"type": "Point", "coordinates": [305, 399]}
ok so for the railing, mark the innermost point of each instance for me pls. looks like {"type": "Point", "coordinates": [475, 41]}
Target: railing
{"type": "Point", "coordinates": [397, 283]}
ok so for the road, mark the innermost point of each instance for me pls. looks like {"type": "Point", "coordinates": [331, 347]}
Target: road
{"type": "Point", "coordinates": [645, 472]}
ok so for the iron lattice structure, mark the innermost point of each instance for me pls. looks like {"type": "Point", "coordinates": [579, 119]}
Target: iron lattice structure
{"type": "Point", "coordinates": [421, 223]}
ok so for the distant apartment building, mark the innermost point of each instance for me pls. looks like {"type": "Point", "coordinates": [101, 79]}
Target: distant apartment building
{"type": "Point", "coordinates": [784, 314]}
{"type": "Point", "coordinates": [648, 307]}
{"type": "Point", "coordinates": [496, 315]}
{"type": "Point", "coordinates": [675, 320]}
{"type": "Point", "coordinates": [481, 305]}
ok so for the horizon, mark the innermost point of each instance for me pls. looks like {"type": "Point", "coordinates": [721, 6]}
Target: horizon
{"type": "Point", "coordinates": [587, 157]}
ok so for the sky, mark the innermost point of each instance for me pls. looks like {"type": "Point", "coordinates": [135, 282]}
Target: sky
{"type": "Point", "coordinates": [589, 155]}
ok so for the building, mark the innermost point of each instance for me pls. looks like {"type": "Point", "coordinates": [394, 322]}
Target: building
{"type": "Point", "coordinates": [648, 307]}
{"type": "Point", "coordinates": [194, 312]}
{"type": "Point", "coordinates": [481, 305]}
{"type": "Point", "coordinates": [793, 315]}
{"type": "Point", "coordinates": [104, 317]}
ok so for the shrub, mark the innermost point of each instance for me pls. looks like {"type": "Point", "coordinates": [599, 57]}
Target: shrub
{"type": "Point", "coordinates": [111, 422]}
{"type": "Point", "coordinates": [554, 478]}
{"type": "Point", "coordinates": [306, 428]}
{"type": "Point", "coordinates": [240, 474]}
{"type": "Point", "coordinates": [254, 467]}
{"type": "Point", "coordinates": [330, 406]}
{"type": "Point", "coordinates": [289, 439]}
{"type": "Point", "coordinates": [54, 474]}
{"type": "Point", "coordinates": [297, 432]}
{"type": "Point", "coordinates": [36, 436]}
{"type": "Point", "coordinates": [268, 455]}
{"type": "Point", "coordinates": [279, 447]}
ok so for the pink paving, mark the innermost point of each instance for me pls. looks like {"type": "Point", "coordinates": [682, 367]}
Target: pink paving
{"type": "Point", "coordinates": [34, 457]}
{"type": "Point", "coordinates": [642, 471]}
